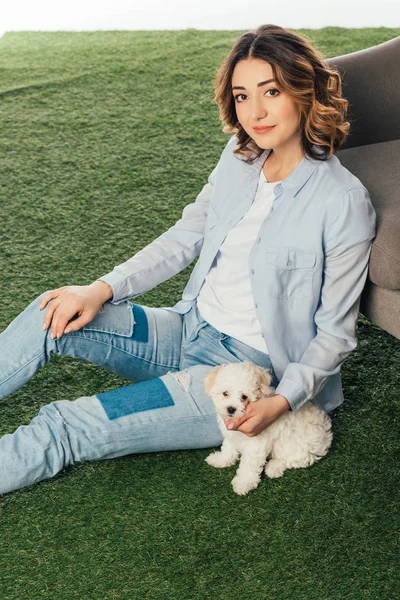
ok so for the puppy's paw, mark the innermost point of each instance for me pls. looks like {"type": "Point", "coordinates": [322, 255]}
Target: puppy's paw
{"type": "Point", "coordinates": [274, 468]}
{"type": "Point", "coordinates": [243, 486]}
{"type": "Point", "coordinates": [220, 460]}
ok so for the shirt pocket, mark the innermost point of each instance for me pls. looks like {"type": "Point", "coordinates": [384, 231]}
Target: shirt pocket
{"type": "Point", "coordinates": [289, 272]}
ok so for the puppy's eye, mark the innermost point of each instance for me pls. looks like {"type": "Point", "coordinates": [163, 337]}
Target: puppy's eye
{"type": "Point", "coordinates": [225, 393]}
{"type": "Point", "coordinates": [244, 397]}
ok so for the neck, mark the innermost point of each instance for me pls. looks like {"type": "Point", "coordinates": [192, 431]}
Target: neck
{"type": "Point", "coordinates": [281, 162]}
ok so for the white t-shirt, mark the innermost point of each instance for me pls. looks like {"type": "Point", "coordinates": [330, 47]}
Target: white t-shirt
{"type": "Point", "coordinates": [226, 298]}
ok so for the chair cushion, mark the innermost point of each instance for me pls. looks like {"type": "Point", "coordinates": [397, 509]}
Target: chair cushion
{"type": "Point", "coordinates": [371, 84]}
{"type": "Point", "coordinates": [382, 307]}
{"type": "Point", "coordinates": [377, 167]}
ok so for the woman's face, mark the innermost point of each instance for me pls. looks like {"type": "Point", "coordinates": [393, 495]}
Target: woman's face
{"type": "Point", "coordinates": [260, 102]}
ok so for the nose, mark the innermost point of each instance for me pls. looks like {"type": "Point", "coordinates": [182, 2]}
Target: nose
{"type": "Point", "coordinates": [231, 410]}
{"type": "Point", "coordinates": [257, 109]}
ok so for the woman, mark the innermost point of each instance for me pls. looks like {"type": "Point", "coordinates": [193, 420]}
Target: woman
{"type": "Point", "coordinates": [284, 235]}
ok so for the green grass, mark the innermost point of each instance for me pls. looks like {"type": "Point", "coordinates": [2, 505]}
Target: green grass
{"type": "Point", "coordinates": [104, 138]}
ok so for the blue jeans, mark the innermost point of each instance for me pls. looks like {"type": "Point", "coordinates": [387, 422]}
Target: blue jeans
{"type": "Point", "coordinates": [166, 354]}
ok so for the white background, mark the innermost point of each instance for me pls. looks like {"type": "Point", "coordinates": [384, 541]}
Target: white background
{"type": "Point", "coordinates": [89, 15]}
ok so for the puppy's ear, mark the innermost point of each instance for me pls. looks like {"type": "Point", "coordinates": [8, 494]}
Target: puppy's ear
{"type": "Point", "coordinates": [264, 381]}
{"type": "Point", "coordinates": [210, 378]}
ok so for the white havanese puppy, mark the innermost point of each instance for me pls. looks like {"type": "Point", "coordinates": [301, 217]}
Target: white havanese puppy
{"type": "Point", "coordinates": [294, 440]}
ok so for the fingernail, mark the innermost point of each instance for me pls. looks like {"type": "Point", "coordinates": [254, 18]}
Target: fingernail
{"type": "Point", "coordinates": [230, 426]}
{"type": "Point", "coordinates": [53, 335]}
{"type": "Point", "coordinates": [44, 326]}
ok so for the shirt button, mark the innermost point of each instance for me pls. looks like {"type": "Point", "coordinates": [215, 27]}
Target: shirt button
{"type": "Point", "coordinates": [252, 271]}
{"type": "Point", "coordinates": [262, 335]}
{"type": "Point", "coordinates": [256, 306]}
{"type": "Point", "coordinates": [258, 240]}
{"type": "Point", "coordinates": [289, 263]}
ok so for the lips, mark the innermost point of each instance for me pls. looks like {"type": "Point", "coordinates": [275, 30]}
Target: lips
{"type": "Point", "coordinates": [263, 129]}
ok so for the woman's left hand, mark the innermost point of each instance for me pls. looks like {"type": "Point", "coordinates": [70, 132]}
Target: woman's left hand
{"type": "Point", "coordinates": [258, 415]}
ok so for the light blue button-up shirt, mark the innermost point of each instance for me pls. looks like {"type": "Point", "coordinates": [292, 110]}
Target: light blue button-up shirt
{"type": "Point", "coordinates": [307, 268]}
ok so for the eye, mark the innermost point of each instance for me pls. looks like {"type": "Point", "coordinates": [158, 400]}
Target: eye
{"type": "Point", "coordinates": [273, 90]}
{"type": "Point", "coordinates": [269, 90]}
{"type": "Point", "coordinates": [225, 393]}
{"type": "Point", "coordinates": [244, 397]}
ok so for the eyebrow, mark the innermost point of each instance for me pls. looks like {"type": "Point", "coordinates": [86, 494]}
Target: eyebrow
{"type": "Point", "coordinates": [240, 87]}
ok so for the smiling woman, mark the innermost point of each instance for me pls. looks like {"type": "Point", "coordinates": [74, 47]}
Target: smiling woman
{"type": "Point", "coordinates": [290, 99]}
{"type": "Point", "coordinates": [283, 234]}
{"type": "Point", "coordinates": [268, 115]}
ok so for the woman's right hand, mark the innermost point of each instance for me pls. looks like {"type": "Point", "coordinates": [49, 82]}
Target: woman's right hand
{"type": "Point", "coordinates": [68, 301]}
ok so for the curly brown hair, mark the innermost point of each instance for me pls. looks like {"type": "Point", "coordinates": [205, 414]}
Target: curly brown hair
{"type": "Point", "coordinates": [302, 72]}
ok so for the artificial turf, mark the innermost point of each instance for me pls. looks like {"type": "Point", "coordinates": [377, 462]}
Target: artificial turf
{"type": "Point", "coordinates": [104, 138]}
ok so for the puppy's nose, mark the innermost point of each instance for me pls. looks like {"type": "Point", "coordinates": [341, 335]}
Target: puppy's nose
{"type": "Point", "coordinates": [231, 410]}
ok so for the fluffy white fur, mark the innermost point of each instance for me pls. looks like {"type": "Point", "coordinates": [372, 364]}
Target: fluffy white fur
{"type": "Point", "coordinates": [295, 440]}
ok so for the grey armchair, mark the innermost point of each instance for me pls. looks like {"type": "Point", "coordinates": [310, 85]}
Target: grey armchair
{"type": "Point", "coordinates": [371, 84]}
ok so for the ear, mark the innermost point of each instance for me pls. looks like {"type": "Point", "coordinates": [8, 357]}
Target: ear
{"type": "Point", "coordinates": [210, 378]}
{"type": "Point", "coordinates": [264, 379]}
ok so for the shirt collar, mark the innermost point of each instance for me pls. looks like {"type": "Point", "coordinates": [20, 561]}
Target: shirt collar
{"type": "Point", "coordinates": [294, 182]}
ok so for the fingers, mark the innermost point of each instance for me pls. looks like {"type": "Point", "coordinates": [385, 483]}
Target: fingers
{"type": "Point", "coordinates": [57, 321]}
{"type": "Point", "coordinates": [45, 299]}
{"type": "Point", "coordinates": [238, 421]}
{"type": "Point", "coordinates": [63, 323]}
{"type": "Point", "coordinates": [235, 423]}
{"type": "Point", "coordinates": [49, 317]}
{"type": "Point", "coordinates": [49, 296]}
{"type": "Point", "coordinates": [58, 326]}
{"type": "Point", "coordinates": [58, 329]}
{"type": "Point", "coordinates": [244, 427]}
{"type": "Point", "coordinates": [77, 324]}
